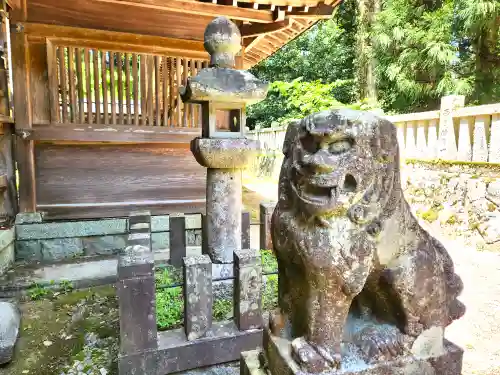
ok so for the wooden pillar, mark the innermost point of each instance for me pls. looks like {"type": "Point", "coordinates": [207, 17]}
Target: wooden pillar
{"type": "Point", "coordinates": [23, 120]}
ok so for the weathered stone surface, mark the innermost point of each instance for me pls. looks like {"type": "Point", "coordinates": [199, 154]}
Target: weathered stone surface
{"type": "Point", "coordinates": [197, 296]}
{"type": "Point", "coordinates": [193, 237]}
{"type": "Point", "coordinates": [177, 240]}
{"type": "Point", "coordinates": [10, 320]}
{"type": "Point", "coordinates": [28, 218]}
{"type": "Point", "coordinates": [490, 230]}
{"type": "Point", "coordinates": [352, 257]}
{"type": "Point", "coordinates": [6, 249]}
{"type": "Point", "coordinates": [476, 189]}
{"type": "Point", "coordinates": [104, 245]}
{"type": "Point", "coordinates": [137, 304]}
{"type": "Point", "coordinates": [265, 215]}
{"type": "Point", "coordinates": [224, 153]}
{"type": "Point", "coordinates": [280, 361]}
{"type": "Point", "coordinates": [224, 85]}
{"type": "Point", "coordinates": [247, 291]}
{"type": "Point", "coordinates": [71, 229]}
{"type": "Point", "coordinates": [223, 214]}
{"type": "Point", "coordinates": [61, 248]}
{"type": "Point", "coordinates": [225, 344]}
{"type": "Point", "coordinates": [493, 192]}
{"type": "Point", "coordinates": [160, 223]}
{"type": "Point", "coordinates": [160, 241]}
{"type": "Point", "coordinates": [28, 251]}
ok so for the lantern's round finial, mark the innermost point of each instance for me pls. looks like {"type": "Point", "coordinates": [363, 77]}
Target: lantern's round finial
{"type": "Point", "coordinates": [222, 42]}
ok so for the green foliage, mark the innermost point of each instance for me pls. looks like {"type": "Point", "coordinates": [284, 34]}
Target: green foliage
{"type": "Point", "coordinates": [420, 50]}
{"type": "Point", "coordinates": [269, 262]}
{"type": "Point", "coordinates": [37, 292]}
{"type": "Point", "coordinates": [223, 309]}
{"type": "Point", "coordinates": [293, 100]}
{"type": "Point", "coordinates": [169, 308]}
{"type": "Point", "coordinates": [428, 49]}
{"type": "Point", "coordinates": [270, 294]}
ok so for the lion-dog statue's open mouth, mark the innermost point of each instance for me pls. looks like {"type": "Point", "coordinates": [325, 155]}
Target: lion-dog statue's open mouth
{"type": "Point", "coordinates": [355, 266]}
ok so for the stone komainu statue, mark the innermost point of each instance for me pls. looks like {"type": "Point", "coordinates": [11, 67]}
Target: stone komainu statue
{"type": "Point", "coordinates": [355, 266]}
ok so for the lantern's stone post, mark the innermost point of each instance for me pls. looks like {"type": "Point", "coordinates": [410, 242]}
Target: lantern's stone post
{"type": "Point", "coordinates": [223, 93]}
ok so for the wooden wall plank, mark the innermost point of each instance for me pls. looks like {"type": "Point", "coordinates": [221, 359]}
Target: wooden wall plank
{"type": "Point", "coordinates": [185, 107]}
{"type": "Point", "coordinates": [112, 86]}
{"type": "Point", "coordinates": [72, 85]}
{"type": "Point", "coordinates": [178, 75]}
{"type": "Point", "coordinates": [117, 173]}
{"type": "Point", "coordinates": [63, 88]}
{"type": "Point", "coordinates": [23, 119]}
{"type": "Point", "coordinates": [53, 82]}
{"type": "Point", "coordinates": [113, 134]}
{"type": "Point", "coordinates": [166, 74]}
{"type": "Point", "coordinates": [81, 94]}
{"type": "Point", "coordinates": [157, 90]}
{"type": "Point", "coordinates": [171, 92]}
{"type": "Point", "coordinates": [86, 56]}
{"type": "Point", "coordinates": [104, 79]}
{"type": "Point", "coordinates": [119, 57]}
{"type": "Point", "coordinates": [127, 88]}
{"type": "Point", "coordinates": [150, 83]}
{"type": "Point", "coordinates": [39, 83]}
{"type": "Point", "coordinates": [142, 93]}
{"type": "Point", "coordinates": [136, 88]}
{"type": "Point", "coordinates": [97, 91]}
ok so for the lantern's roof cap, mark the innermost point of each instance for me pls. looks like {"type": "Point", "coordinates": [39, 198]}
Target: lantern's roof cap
{"type": "Point", "coordinates": [224, 85]}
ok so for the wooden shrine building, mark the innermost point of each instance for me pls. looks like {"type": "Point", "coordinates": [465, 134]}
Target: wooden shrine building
{"type": "Point", "coordinates": [96, 120]}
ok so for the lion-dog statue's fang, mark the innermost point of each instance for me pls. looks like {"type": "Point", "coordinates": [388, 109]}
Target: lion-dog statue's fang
{"type": "Point", "coordinates": [354, 264]}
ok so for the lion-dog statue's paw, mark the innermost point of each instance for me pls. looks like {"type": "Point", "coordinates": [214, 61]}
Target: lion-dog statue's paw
{"type": "Point", "coordinates": [314, 358]}
{"type": "Point", "coordinates": [379, 343]}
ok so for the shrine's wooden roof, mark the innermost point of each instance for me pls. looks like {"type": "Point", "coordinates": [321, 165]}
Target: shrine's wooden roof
{"type": "Point", "coordinates": [266, 25]}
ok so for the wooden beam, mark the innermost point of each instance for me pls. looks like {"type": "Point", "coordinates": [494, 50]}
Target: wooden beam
{"type": "Point", "coordinates": [319, 12]}
{"type": "Point", "coordinates": [23, 119]}
{"type": "Point", "coordinates": [115, 134]}
{"type": "Point", "coordinates": [201, 9]}
{"type": "Point", "coordinates": [250, 30]}
{"type": "Point", "coordinates": [117, 41]}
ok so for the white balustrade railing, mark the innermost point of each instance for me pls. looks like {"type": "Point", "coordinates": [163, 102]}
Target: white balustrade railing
{"type": "Point", "coordinates": [454, 132]}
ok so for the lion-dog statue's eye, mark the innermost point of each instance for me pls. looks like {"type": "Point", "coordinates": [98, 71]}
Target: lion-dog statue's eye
{"type": "Point", "coordinates": [341, 146]}
{"type": "Point", "coordinates": [310, 144]}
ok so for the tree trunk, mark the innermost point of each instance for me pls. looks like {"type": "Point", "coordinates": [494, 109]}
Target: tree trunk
{"type": "Point", "coordinates": [365, 62]}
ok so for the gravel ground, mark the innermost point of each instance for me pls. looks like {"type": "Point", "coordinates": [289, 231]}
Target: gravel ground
{"type": "Point", "coordinates": [478, 332]}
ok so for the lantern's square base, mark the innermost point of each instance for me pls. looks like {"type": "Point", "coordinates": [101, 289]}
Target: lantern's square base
{"type": "Point", "coordinates": [277, 360]}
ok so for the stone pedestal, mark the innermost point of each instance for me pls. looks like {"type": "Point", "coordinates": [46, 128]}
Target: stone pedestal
{"type": "Point", "coordinates": [277, 359]}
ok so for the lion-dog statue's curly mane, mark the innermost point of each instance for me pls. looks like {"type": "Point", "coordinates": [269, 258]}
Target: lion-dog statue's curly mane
{"type": "Point", "coordinates": [348, 244]}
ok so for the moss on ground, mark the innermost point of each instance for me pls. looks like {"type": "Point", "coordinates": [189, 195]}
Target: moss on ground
{"type": "Point", "coordinates": [53, 328]}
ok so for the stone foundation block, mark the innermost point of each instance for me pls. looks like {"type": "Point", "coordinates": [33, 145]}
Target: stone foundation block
{"type": "Point", "coordinates": [279, 360]}
{"type": "Point", "coordinates": [28, 251]}
{"type": "Point", "coordinates": [71, 229]}
{"type": "Point", "coordinates": [104, 245]}
{"type": "Point", "coordinates": [61, 248]}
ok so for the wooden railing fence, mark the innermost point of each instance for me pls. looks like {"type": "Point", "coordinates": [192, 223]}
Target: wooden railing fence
{"type": "Point", "coordinates": [452, 133]}
{"type": "Point", "coordinates": [99, 87]}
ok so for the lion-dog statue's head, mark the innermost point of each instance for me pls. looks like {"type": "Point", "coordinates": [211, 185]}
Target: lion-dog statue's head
{"type": "Point", "coordinates": [341, 162]}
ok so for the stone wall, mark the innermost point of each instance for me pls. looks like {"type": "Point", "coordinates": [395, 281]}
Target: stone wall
{"type": "Point", "coordinates": [42, 241]}
{"type": "Point", "coordinates": [459, 200]}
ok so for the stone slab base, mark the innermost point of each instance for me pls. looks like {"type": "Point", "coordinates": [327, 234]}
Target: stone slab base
{"type": "Point", "coordinates": [278, 361]}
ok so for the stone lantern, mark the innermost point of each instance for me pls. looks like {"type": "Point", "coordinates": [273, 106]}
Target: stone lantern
{"type": "Point", "coordinates": [223, 93]}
